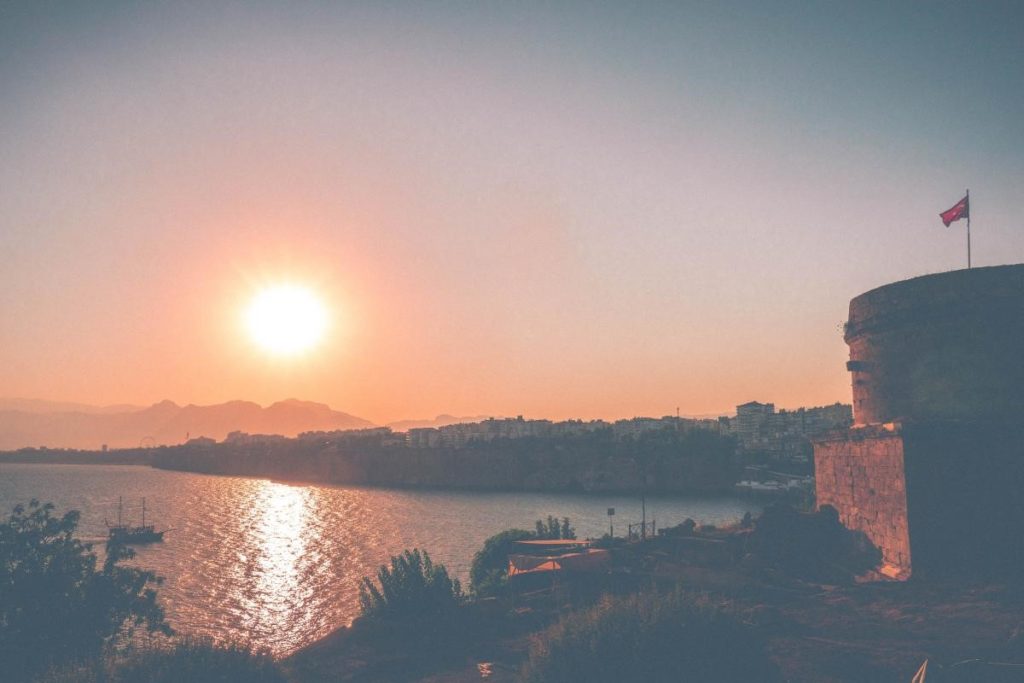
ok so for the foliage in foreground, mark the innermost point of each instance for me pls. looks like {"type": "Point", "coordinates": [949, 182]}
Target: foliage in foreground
{"type": "Point", "coordinates": [55, 605]}
{"type": "Point", "coordinates": [190, 659]}
{"type": "Point", "coordinates": [648, 637]}
{"type": "Point", "coordinates": [812, 546]}
{"type": "Point", "coordinates": [412, 587]}
{"type": "Point", "coordinates": [489, 572]}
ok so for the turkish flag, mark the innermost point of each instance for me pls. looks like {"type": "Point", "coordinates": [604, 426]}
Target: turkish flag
{"type": "Point", "coordinates": [960, 210]}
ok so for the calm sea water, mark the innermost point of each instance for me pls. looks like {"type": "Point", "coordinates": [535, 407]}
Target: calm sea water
{"type": "Point", "coordinates": [278, 565]}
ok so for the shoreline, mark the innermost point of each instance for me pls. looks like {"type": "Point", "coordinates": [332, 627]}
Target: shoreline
{"type": "Point", "coordinates": [671, 464]}
{"type": "Point", "coordinates": [698, 493]}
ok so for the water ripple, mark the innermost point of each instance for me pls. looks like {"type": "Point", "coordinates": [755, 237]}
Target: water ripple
{"type": "Point", "coordinates": [278, 565]}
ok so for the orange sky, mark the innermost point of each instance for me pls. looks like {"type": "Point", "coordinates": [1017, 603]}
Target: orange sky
{"type": "Point", "coordinates": [550, 213]}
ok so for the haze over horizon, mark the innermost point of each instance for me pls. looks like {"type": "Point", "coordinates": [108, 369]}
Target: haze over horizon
{"type": "Point", "coordinates": [36, 423]}
{"type": "Point", "coordinates": [592, 211]}
{"type": "Point", "coordinates": [44, 406]}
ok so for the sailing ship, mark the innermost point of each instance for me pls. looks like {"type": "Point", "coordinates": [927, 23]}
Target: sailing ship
{"type": "Point", "coordinates": [127, 534]}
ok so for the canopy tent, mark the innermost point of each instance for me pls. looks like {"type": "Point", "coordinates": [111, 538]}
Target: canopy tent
{"type": "Point", "coordinates": [548, 556]}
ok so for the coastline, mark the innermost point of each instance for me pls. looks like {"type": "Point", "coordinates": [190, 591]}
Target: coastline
{"type": "Point", "coordinates": [583, 468]}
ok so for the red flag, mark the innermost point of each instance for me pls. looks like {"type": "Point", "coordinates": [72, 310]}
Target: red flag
{"type": "Point", "coordinates": [960, 210]}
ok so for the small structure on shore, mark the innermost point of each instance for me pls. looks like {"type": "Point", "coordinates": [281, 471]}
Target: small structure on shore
{"type": "Point", "coordinates": [555, 555]}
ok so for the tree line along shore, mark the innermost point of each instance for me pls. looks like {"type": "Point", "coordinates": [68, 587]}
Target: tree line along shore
{"type": "Point", "coordinates": [658, 462]}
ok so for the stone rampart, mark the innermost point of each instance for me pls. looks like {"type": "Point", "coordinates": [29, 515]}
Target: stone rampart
{"type": "Point", "coordinates": [933, 467]}
{"type": "Point", "coordinates": [861, 475]}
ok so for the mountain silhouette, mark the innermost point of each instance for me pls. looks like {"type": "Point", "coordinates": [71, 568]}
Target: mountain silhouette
{"type": "Point", "coordinates": [161, 423]}
{"type": "Point", "coordinates": [439, 421]}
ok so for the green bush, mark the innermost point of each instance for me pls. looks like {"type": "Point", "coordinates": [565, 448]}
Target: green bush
{"type": "Point", "coordinates": [648, 637]}
{"type": "Point", "coordinates": [489, 572]}
{"type": "Point", "coordinates": [412, 587]}
{"type": "Point", "coordinates": [812, 546]}
{"type": "Point", "coordinates": [488, 575]}
{"type": "Point", "coordinates": [193, 660]}
{"type": "Point", "coordinates": [55, 605]}
{"type": "Point", "coordinates": [200, 661]}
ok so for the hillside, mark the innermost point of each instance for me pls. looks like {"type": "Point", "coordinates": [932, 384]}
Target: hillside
{"type": "Point", "coordinates": [166, 423]}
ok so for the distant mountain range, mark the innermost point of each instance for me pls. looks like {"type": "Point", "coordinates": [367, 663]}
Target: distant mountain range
{"type": "Point", "coordinates": [29, 422]}
{"type": "Point", "coordinates": [439, 421]}
{"type": "Point", "coordinates": [38, 405]}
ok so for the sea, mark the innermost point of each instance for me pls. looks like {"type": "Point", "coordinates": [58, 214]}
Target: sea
{"type": "Point", "coordinates": [278, 565]}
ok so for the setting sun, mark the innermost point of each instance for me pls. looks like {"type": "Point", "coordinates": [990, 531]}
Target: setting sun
{"type": "Point", "coordinates": [286, 319]}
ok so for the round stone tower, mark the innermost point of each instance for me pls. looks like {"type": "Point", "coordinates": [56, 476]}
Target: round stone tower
{"type": "Point", "coordinates": [940, 347]}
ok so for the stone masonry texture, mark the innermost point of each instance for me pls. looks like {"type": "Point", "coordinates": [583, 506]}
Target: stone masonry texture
{"type": "Point", "coordinates": [863, 478]}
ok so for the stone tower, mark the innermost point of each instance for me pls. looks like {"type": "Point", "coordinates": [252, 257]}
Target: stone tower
{"type": "Point", "coordinates": [933, 466]}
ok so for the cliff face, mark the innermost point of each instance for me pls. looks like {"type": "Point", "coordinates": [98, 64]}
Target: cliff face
{"type": "Point", "coordinates": [522, 464]}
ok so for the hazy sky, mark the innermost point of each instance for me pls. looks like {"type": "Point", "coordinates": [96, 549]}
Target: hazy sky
{"type": "Point", "coordinates": [555, 210]}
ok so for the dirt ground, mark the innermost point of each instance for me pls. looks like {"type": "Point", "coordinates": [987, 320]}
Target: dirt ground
{"type": "Point", "coordinates": [868, 632]}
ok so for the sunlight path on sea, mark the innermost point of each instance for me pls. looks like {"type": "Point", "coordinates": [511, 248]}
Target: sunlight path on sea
{"type": "Point", "coordinates": [278, 565]}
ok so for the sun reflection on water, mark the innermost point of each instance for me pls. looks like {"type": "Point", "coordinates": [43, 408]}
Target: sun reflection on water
{"type": "Point", "coordinates": [280, 529]}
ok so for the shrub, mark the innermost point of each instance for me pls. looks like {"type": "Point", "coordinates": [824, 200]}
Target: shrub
{"type": "Point", "coordinates": [685, 528]}
{"type": "Point", "coordinates": [648, 637]}
{"type": "Point", "coordinates": [608, 541]}
{"type": "Point", "coordinates": [489, 573]}
{"type": "Point", "coordinates": [196, 660]}
{"type": "Point", "coordinates": [55, 605]}
{"type": "Point", "coordinates": [813, 546]}
{"type": "Point", "coordinates": [200, 661]}
{"type": "Point", "coordinates": [554, 530]}
{"type": "Point", "coordinates": [412, 587]}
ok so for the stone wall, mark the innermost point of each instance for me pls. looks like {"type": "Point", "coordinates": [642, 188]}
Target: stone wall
{"type": "Point", "coordinates": [964, 485]}
{"type": "Point", "coordinates": [860, 473]}
{"type": "Point", "coordinates": [935, 461]}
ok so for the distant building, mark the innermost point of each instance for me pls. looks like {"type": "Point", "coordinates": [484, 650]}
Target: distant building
{"type": "Point", "coordinates": [577, 427]}
{"type": "Point", "coordinates": [465, 433]}
{"type": "Point", "coordinates": [423, 437]}
{"type": "Point", "coordinates": [751, 421]}
{"type": "Point", "coordinates": [243, 439]}
{"type": "Point", "coordinates": [639, 425]}
{"type": "Point", "coordinates": [786, 434]}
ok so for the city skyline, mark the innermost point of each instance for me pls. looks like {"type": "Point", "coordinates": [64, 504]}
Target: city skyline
{"type": "Point", "coordinates": [533, 210]}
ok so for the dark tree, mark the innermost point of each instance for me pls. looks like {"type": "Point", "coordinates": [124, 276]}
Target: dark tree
{"type": "Point", "coordinates": [411, 587]}
{"type": "Point", "coordinates": [489, 572]}
{"type": "Point", "coordinates": [55, 604]}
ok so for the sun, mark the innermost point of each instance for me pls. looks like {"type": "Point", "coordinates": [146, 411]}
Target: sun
{"type": "Point", "coordinates": [286, 320]}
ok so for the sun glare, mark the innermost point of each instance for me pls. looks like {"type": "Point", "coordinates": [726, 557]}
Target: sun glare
{"type": "Point", "coordinates": [286, 319]}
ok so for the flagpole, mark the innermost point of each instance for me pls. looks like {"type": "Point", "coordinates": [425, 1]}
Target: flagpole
{"type": "Point", "coordinates": [968, 229]}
